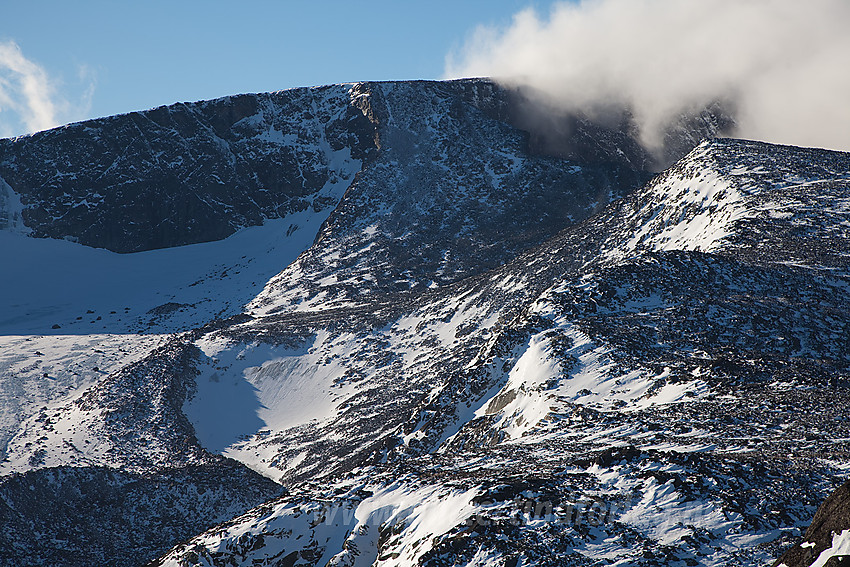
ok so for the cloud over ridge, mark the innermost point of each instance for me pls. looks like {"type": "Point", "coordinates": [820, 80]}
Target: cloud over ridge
{"type": "Point", "coordinates": [782, 65]}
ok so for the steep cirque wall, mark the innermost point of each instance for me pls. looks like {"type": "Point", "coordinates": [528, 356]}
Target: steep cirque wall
{"type": "Point", "coordinates": [188, 173]}
{"type": "Point", "coordinates": [454, 191]}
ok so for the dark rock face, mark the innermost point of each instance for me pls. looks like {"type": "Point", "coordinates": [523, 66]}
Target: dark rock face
{"type": "Point", "coordinates": [185, 173]}
{"type": "Point", "coordinates": [197, 172]}
{"type": "Point", "coordinates": [832, 518]}
{"type": "Point", "coordinates": [454, 191]}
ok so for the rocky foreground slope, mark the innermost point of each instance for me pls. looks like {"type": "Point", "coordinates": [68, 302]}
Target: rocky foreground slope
{"type": "Point", "coordinates": [479, 355]}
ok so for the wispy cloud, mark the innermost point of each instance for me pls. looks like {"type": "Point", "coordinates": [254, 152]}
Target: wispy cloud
{"type": "Point", "coordinates": [29, 98]}
{"type": "Point", "coordinates": [782, 64]}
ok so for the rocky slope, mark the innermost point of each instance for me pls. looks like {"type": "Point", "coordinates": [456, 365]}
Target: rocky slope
{"type": "Point", "coordinates": [475, 354]}
{"type": "Point", "coordinates": [661, 390]}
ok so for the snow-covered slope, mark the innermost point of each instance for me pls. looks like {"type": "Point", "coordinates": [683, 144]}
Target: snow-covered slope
{"type": "Point", "coordinates": [771, 203]}
{"type": "Point", "coordinates": [656, 385]}
{"type": "Point", "coordinates": [71, 315]}
{"type": "Point", "coordinates": [54, 287]}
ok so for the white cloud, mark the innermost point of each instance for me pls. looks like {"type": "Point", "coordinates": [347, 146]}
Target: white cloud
{"type": "Point", "coordinates": [781, 63]}
{"type": "Point", "coordinates": [29, 100]}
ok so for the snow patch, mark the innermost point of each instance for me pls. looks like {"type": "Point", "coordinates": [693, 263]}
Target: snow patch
{"type": "Point", "coordinates": [11, 210]}
{"type": "Point", "coordinates": [246, 392]}
{"type": "Point", "coordinates": [840, 547]}
{"type": "Point", "coordinates": [58, 287]}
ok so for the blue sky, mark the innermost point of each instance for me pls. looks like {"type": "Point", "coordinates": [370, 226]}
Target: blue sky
{"type": "Point", "coordinates": [96, 58]}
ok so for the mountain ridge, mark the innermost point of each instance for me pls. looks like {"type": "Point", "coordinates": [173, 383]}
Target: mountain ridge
{"type": "Point", "coordinates": [432, 388]}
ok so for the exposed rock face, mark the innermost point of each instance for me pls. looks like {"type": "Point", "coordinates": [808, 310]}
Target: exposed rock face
{"type": "Point", "coordinates": [831, 519]}
{"type": "Point", "coordinates": [189, 172]}
{"type": "Point", "coordinates": [452, 193]}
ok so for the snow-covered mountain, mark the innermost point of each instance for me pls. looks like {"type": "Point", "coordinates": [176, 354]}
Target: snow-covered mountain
{"type": "Point", "coordinates": [375, 324]}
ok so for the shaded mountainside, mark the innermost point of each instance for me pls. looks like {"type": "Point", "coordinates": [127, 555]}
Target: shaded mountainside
{"type": "Point", "coordinates": [189, 172]}
{"type": "Point", "coordinates": [487, 356]}
{"type": "Point", "coordinates": [105, 516]}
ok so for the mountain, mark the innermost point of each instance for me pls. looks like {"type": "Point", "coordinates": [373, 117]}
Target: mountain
{"type": "Point", "coordinates": [827, 540]}
{"type": "Point", "coordinates": [383, 323]}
